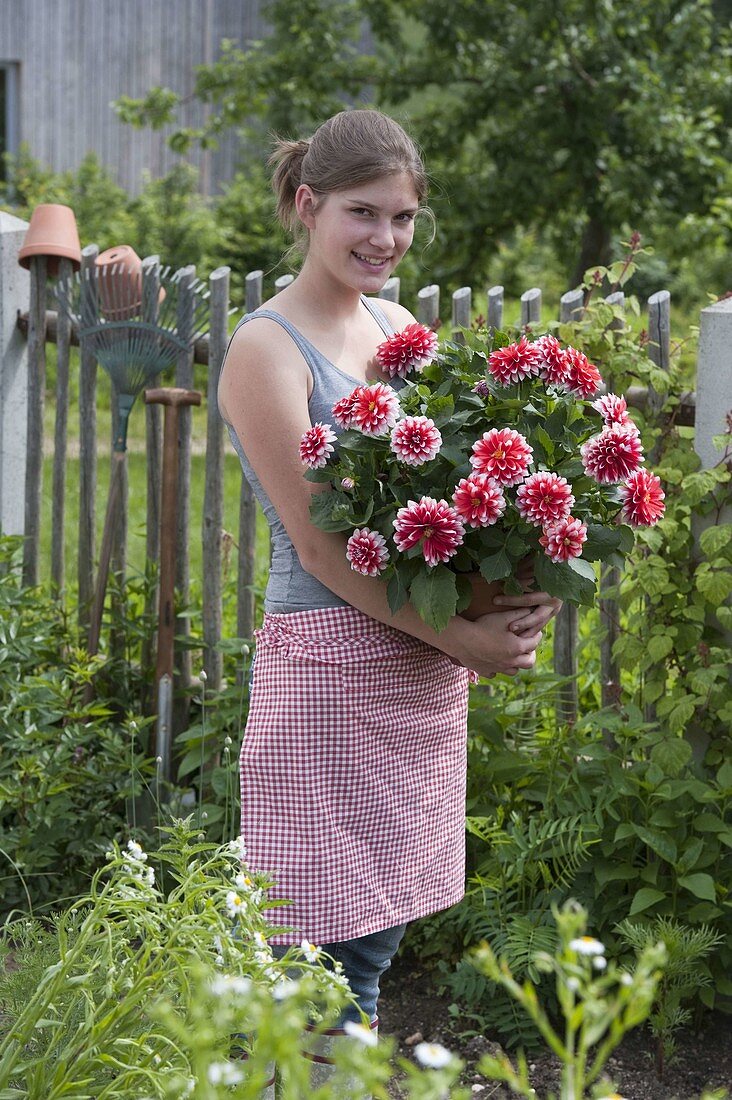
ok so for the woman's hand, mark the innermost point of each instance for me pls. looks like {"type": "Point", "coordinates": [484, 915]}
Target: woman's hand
{"type": "Point", "coordinates": [541, 607]}
{"type": "Point", "coordinates": [490, 644]}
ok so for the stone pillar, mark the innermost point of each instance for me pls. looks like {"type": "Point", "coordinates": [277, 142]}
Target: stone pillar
{"type": "Point", "coordinates": [14, 298]}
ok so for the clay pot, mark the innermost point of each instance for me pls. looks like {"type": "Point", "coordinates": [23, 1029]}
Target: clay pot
{"type": "Point", "coordinates": [483, 593]}
{"type": "Point", "coordinates": [119, 276]}
{"type": "Point", "coordinates": [52, 233]}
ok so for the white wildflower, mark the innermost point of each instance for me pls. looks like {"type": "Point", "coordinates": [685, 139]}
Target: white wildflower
{"type": "Point", "coordinates": [283, 988]}
{"type": "Point", "coordinates": [223, 985]}
{"type": "Point", "coordinates": [626, 979]}
{"type": "Point", "coordinates": [586, 945]}
{"type": "Point", "coordinates": [310, 951]}
{"type": "Point", "coordinates": [432, 1055]}
{"type": "Point", "coordinates": [599, 962]}
{"type": "Point", "coordinates": [151, 876]}
{"type": "Point", "coordinates": [224, 1073]}
{"type": "Point", "coordinates": [573, 984]}
{"type": "Point", "coordinates": [203, 675]}
{"type": "Point", "coordinates": [238, 848]}
{"type": "Point", "coordinates": [135, 851]}
{"type": "Point", "coordinates": [364, 1034]}
{"type": "Point", "coordinates": [244, 883]}
{"type": "Point", "coordinates": [234, 903]}
{"type": "Point", "coordinates": [218, 945]}
{"type": "Point", "coordinates": [189, 1086]}
{"type": "Point", "coordinates": [260, 941]}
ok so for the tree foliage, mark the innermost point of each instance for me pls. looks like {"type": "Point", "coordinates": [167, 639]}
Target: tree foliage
{"type": "Point", "coordinates": [575, 117]}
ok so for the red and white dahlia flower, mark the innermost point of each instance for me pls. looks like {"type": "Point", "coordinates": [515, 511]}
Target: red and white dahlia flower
{"type": "Point", "coordinates": [375, 409]}
{"type": "Point", "coordinates": [366, 551]}
{"type": "Point", "coordinates": [564, 539]}
{"type": "Point", "coordinates": [431, 523]}
{"type": "Point", "coordinates": [411, 349]}
{"type": "Point", "coordinates": [479, 501]}
{"type": "Point", "coordinates": [553, 363]}
{"type": "Point", "coordinates": [612, 409]}
{"type": "Point", "coordinates": [343, 410]}
{"type": "Point", "coordinates": [515, 362]}
{"type": "Point", "coordinates": [642, 499]}
{"type": "Point", "coordinates": [544, 498]}
{"type": "Point", "coordinates": [583, 377]}
{"type": "Point", "coordinates": [612, 455]}
{"type": "Point", "coordinates": [315, 445]}
{"type": "Point", "coordinates": [503, 454]}
{"type": "Point", "coordinates": [415, 440]}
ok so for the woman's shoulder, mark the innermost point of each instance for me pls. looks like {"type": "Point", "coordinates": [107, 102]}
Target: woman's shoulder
{"type": "Point", "coordinates": [259, 349]}
{"type": "Point", "coordinates": [397, 316]}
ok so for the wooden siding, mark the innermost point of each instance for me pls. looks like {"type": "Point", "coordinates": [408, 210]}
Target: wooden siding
{"type": "Point", "coordinates": [77, 56]}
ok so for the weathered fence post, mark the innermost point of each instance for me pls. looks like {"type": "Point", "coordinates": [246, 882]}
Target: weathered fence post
{"type": "Point", "coordinates": [390, 290]}
{"type": "Point", "coordinates": [58, 521]}
{"type": "Point", "coordinates": [609, 606]}
{"type": "Point", "coordinates": [153, 417]}
{"type": "Point", "coordinates": [283, 281]}
{"type": "Point", "coordinates": [461, 310]}
{"type": "Point", "coordinates": [495, 307]}
{"type": "Point", "coordinates": [247, 511]}
{"type": "Point", "coordinates": [659, 344]}
{"type": "Point", "coordinates": [213, 498]}
{"type": "Point", "coordinates": [428, 305]}
{"type": "Point", "coordinates": [713, 392]}
{"type": "Point", "coordinates": [87, 458]}
{"type": "Point", "coordinates": [253, 289]}
{"type": "Point", "coordinates": [184, 380]}
{"type": "Point", "coordinates": [566, 622]}
{"type": "Point", "coordinates": [531, 307]}
{"type": "Point", "coordinates": [14, 294]}
{"type": "Point", "coordinates": [36, 393]}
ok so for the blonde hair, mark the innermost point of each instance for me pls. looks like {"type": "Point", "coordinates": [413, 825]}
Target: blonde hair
{"type": "Point", "coordinates": [352, 147]}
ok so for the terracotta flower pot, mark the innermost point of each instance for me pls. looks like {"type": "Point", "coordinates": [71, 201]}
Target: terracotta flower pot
{"type": "Point", "coordinates": [119, 274]}
{"type": "Point", "coordinates": [52, 233]}
{"type": "Point", "coordinates": [483, 593]}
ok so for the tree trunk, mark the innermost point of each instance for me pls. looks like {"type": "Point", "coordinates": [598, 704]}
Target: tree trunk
{"type": "Point", "coordinates": [595, 249]}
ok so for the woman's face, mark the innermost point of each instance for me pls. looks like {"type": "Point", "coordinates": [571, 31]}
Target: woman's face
{"type": "Point", "coordinates": [360, 233]}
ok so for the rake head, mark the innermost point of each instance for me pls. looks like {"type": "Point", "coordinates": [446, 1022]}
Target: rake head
{"type": "Point", "coordinates": [135, 323]}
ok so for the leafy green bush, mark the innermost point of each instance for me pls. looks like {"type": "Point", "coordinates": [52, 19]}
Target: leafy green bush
{"type": "Point", "coordinates": [68, 766]}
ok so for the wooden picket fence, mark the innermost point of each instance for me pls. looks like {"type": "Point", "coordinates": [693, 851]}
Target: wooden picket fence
{"type": "Point", "coordinates": [43, 326]}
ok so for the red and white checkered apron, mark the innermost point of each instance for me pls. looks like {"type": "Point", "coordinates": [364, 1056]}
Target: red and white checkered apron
{"type": "Point", "coordinates": [353, 774]}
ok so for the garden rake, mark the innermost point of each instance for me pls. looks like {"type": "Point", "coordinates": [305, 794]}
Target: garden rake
{"type": "Point", "coordinates": [136, 324]}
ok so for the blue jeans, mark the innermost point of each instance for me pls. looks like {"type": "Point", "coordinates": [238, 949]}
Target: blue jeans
{"type": "Point", "coordinates": [364, 960]}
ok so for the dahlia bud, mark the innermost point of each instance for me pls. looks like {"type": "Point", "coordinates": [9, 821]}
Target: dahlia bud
{"type": "Point", "coordinates": [347, 483]}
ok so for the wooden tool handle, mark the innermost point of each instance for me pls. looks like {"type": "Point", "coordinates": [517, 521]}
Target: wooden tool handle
{"type": "Point", "coordinates": [170, 395]}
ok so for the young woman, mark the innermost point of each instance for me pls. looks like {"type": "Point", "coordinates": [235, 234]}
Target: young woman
{"type": "Point", "coordinates": [353, 762]}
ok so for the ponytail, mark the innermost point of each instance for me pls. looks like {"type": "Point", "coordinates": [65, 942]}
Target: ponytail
{"type": "Point", "coordinates": [288, 157]}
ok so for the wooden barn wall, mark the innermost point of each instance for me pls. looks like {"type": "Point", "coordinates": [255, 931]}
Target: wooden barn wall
{"type": "Point", "coordinates": [77, 56]}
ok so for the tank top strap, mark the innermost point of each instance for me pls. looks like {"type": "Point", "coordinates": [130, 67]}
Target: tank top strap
{"type": "Point", "coordinates": [378, 315]}
{"type": "Point", "coordinates": [310, 353]}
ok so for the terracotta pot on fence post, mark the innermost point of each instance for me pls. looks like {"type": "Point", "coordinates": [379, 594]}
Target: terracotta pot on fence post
{"type": "Point", "coordinates": [119, 277]}
{"type": "Point", "coordinates": [52, 233]}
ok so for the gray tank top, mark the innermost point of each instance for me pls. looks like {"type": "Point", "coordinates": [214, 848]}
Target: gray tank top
{"type": "Point", "coordinates": [290, 587]}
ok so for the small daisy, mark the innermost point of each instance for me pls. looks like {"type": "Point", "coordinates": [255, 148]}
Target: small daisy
{"type": "Point", "coordinates": [238, 848]}
{"type": "Point", "coordinates": [432, 1055]}
{"type": "Point", "coordinates": [234, 903]}
{"type": "Point", "coordinates": [586, 945]}
{"type": "Point", "coordinates": [283, 988]}
{"type": "Point", "coordinates": [599, 962]}
{"type": "Point", "coordinates": [364, 1034]}
{"type": "Point", "coordinates": [310, 951]}
{"type": "Point", "coordinates": [260, 940]}
{"type": "Point", "coordinates": [224, 1073]}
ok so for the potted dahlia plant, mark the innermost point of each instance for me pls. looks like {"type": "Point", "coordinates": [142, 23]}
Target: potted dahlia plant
{"type": "Point", "coordinates": [497, 459]}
